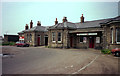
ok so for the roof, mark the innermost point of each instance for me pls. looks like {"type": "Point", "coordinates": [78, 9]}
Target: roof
{"type": "Point", "coordinates": [111, 20]}
{"type": "Point", "coordinates": [10, 35]}
{"type": "Point", "coordinates": [21, 32]}
{"type": "Point", "coordinates": [86, 30]}
{"type": "Point", "coordinates": [86, 24]}
{"type": "Point", "coordinates": [67, 25]}
{"type": "Point", "coordinates": [89, 24]}
{"type": "Point", "coordinates": [70, 25]}
{"type": "Point", "coordinates": [36, 28]}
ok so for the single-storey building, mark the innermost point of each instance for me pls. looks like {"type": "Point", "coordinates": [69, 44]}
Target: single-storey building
{"type": "Point", "coordinates": [11, 38]}
{"type": "Point", "coordinates": [35, 36]}
{"type": "Point", "coordinates": [98, 34]}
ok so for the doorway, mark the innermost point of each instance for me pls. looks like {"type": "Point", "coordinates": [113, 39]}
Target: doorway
{"type": "Point", "coordinates": [39, 40]}
{"type": "Point", "coordinates": [46, 40]}
{"type": "Point", "coordinates": [91, 42]}
{"type": "Point", "coordinates": [71, 41]}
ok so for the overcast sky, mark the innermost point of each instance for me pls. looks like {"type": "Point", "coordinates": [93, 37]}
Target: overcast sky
{"type": "Point", "coordinates": [15, 15]}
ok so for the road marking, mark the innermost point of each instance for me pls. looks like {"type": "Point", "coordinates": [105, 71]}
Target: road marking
{"type": "Point", "coordinates": [69, 66]}
{"type": "Point", "coordinates": [86, 65]}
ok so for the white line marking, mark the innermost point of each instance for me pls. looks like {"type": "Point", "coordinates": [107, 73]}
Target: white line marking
{"type": "Point", "coordinates": [69, 66]}
{"type": "Point", "coordinates": [86, 65]}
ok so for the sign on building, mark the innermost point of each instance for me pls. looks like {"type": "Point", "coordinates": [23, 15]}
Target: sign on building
{"type": "Point", "coordinates": [21, 38]}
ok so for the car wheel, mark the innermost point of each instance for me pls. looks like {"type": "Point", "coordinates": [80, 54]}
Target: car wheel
{"type": "Point", "coordinates": [117, 54]}
{"type": "Point", "coordinates": [27, 45]}
{"type": "Point", "coordinates": [24, 45]}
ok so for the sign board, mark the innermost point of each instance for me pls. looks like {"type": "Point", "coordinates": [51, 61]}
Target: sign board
{"type": "Point", "coordinates": [84, 39]}
{"type": "Point", "coordinates": [21, 38]}
{"type": "Point", "coordinates": [97, 39]}
{"type": "Point", "coordinates": [80, 34]}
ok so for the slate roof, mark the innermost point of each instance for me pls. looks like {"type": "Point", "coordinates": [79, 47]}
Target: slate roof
{"type": "Point", "coordinates": [21, 32]}
{"type": "Point", "coordinates": [86, 24]}
{"type": "Point", "coordinates": [116, 19]}
{"type": "Point", "coordinates": [36, 28]}
{"type": "Point", "coordinates": [68, 25]}
{"type": "Point", "coordinates": [89, 24]}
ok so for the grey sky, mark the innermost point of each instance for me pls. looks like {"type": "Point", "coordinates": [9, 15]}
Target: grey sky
{"type": "Point", "coordinates": [15, 15]}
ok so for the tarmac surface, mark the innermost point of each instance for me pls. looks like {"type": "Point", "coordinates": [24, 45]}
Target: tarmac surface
{"type": "Point", "coordinates": [41, 60]}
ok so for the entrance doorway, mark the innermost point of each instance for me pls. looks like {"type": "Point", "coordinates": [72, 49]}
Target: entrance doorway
{"type": "Point", "coordinates": [71, 41]}
{"type": "Point", "coordinates": [46, 40]}
{"type": "Point", "coordinates": [91, 42]}
{"type": "Point", "coordinates": [39, 40]}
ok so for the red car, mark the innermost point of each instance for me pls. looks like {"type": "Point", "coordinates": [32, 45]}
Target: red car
{"type": "Point", "coordinates": [21, 44]}
{"type": "Point", "coordinates": [116, 51]}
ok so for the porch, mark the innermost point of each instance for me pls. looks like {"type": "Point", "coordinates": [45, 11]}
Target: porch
{"type": "Point", "coordinates": [86, 38]}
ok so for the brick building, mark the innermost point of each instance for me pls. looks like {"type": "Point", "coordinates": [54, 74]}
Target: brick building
{"type": "Point", "coordinates": [98, 34]}
{"type": "Point", "coordinates": [35, 36]}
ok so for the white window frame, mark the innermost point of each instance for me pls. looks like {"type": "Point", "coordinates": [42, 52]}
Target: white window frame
{"type": "Point", "coordinates": [54, 37]}
{"type": "Point", "coordinates": [27, 37]}
{"type": "Point", "coordinates": [60, 37]}
{"type": "Point", "coordinates": [30, 37]}
{"type": "Point", "coordinates": [116, 36]}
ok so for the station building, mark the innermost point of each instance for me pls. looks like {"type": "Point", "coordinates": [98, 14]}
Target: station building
{"type": "Point", "coordinates": [98, 34]}
{"type": "Point", "coordinates": [35, 36]}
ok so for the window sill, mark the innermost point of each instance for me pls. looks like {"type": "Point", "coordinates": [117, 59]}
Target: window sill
{"type": "Point", "coordinates": [53, 41]}
{"type": "Point", "coordinates": [115, 44]}
{"type": "Point", "coordinates": [98, 43]}
{"type": "Point", "coordinates": [59, 41]}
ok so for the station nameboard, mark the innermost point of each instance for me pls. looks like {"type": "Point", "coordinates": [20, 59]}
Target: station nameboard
{"type": "Point", "coordinates": [21, 38]}
{"type": "Point", "coordinates": [87, 34]}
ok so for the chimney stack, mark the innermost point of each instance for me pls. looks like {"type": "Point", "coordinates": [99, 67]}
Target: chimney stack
{"type": "Point", "coordinates": [56, 22]}
{"type": "Point", "coordinates": [82, 19]}
{"type": "Point", "coordinates": [39, 23]}
{"type": "Point", "coordinates": [31, 24]}
{"type": "Point", "coordinates": [26, 27]}
{"type": "Point", "coordinates": [64, 19]}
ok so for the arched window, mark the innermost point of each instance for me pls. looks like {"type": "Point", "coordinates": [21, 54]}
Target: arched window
{"type": "Point", "coordinates": [27, 38]}
{"type": "Point", "coordinates": [53, 36]}
{"type": "Point", "coordinates": [30, 37]}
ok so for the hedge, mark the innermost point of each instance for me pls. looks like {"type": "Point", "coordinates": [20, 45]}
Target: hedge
{"type": "Point", "coordinates": [106, 51]}
{"type": "Point", "coordinates": [8, 43]}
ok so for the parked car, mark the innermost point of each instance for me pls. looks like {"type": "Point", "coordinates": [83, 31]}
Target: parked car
{"type": "Point", "coordinates": [116, 52]}
{"type": "Point", "coordinates": [21, 44]}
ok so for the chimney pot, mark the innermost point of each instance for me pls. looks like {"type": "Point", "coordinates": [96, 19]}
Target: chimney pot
{"type": "Point", "coordinates": [31, 24]}
{"type": "Point", "coordinates": [56, 22]}
{"type": "Point", "coordinates": [64, 19]}
{"type": "Point", "coordinates": [39, 23]}
{"type": "Point", "coordinates": [82, 19]}
{"type": "Point", "coordinates": [26, 27]}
